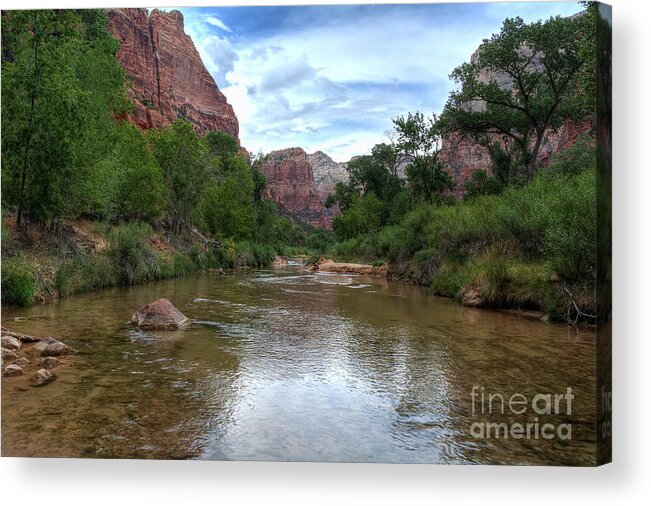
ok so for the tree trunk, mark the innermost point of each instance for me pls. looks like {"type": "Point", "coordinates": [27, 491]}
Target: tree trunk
{"type": "Point", "coordinates": [531, 165]}
{"type": "Point", "coordinates": [23, 174]}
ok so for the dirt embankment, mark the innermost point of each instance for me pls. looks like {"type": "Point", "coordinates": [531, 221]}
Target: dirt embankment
{"type": "Point", "coordinates": [327, 265]}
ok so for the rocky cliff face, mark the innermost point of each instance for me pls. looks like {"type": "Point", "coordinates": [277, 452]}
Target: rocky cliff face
{"type": "Point", "coordinates": [290, 183]}
{"type": "Point", "coordinates": [169, 80]}
{"type": "Point", "coordinates": [462, 156]}
{"type": "Point", "coordinates": [327, 173]}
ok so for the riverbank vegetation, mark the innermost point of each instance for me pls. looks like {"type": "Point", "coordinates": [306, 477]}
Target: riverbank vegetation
{"type": "Point", "coordinates": [522, 235]}
{"type": "Point", "coordinates": [159, 203]}
{"type": "Point", "coordinates": [90, 201]}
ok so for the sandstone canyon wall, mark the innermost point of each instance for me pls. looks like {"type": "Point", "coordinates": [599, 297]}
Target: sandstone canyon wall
{"type": "Point", "coordinates": [462, 156]}
{"type": "Point", "coordinates": [290, 183]}
{"type": "Point", "coordinates": [327, 173]}
{"type": "Point", "coordinates": [169, 80]}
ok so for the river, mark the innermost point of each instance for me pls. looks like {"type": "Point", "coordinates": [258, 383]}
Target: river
{"type": "Point", "coordinates": [287, 365]}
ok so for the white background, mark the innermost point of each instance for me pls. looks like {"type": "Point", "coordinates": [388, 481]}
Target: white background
{"type": "Point", "coordinates": [76, 481]}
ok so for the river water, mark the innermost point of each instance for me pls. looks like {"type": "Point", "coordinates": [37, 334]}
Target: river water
{"type": "Point", "coordinates": [287, 365]}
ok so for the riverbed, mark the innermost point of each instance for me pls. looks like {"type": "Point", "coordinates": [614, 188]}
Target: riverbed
{"type": "Point", "coordinates": [287, 365]}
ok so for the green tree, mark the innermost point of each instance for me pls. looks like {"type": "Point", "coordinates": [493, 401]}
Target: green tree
{"type": "Point", "coordinates": [140, 188]}
{"type": "Point", "coordinates": [364, 215]}
{"type": "Point", "coordinates": [222, 144]}
{"type": "Point", "coordinates": [227, 207]}
{"type": "Point", "coordinates": [531, 87]}
{"type": "Point", "coordinates": [61, 83]}
{"type": "Point", "coordinates": [419, 139]}
{"type": "Point", "coordinates": [186, 166]}
{"type": "Point", "coordinates": [481, 183]}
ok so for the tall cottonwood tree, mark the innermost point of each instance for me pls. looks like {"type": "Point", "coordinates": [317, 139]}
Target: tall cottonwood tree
{"type": "Point", "coordinates": [60, 85]}
{"type": "Point", "coordinates": [525, 82]}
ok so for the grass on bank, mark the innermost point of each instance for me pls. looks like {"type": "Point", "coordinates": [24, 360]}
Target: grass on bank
{"type": "Point", "coordinates": [127, 259]}
{"type": "Point", "coordinates": [531, 247]}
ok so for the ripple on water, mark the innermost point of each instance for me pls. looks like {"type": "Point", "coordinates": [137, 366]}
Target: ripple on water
{"type": "Point", "coordinates": [290, 366]}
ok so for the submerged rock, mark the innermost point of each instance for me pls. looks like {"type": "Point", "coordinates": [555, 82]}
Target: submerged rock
{"type": "Point", "coordinates": [11, 343]}
{"type": "Point", "coordinates": [22, 361]}
{"type": "Point", "coordinates": [48, 347]}
{"type": "Point", "coordinates": [24, 338]}
{"type": "Point", "coordinates": [42, 377]}
{"type": "Point", "coordinates": [8, 355]}
{"type": "Point", "coordinates": [49, 362]}
{"type": "Point", "coordinates": [159, 315]}
{"type": "Point", "coordinates": [13, 370]}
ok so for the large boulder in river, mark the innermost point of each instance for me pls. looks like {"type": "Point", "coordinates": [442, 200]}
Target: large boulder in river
{"type": "Point", "coordinates": [159, 315]}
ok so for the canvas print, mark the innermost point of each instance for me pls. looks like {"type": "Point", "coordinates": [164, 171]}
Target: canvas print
{"type": "Point", "coordinates": [344, 233]}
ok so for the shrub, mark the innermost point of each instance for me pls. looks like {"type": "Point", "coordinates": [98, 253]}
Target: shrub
{"type": "Point", "coordinates": [83, 273]}
{"type": "Point", "coordinates": [132, 258]}
{"type": "Point", "coordinates": [496, 278]}
{"type": "Point", "coordinates": [18, 286]}
{"type": "Point", "coordinates": [570, 239]}
{"type": "Point", "coordinates": [183, 265]}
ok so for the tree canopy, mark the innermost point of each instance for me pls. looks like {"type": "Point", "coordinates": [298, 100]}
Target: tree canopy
{"type": "Point", "coordinates": [523, 83]}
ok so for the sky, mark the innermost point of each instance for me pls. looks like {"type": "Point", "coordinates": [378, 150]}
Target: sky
{"type": "Point", "coordinates": [332, 78]}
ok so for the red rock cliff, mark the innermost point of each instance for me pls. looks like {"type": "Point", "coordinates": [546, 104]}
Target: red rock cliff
{"type": "Point", "coordinates": [290, 183]}
{"type": "Point", "coordinates": [169, 80]}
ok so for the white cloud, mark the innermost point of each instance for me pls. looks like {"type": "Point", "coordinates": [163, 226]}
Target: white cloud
{"type": "Point", "coordinates": [336, 84]}
{"type": "Point", "coordinates": [219, 57]}
{"type": "Point", "coordinates": [215, 21]}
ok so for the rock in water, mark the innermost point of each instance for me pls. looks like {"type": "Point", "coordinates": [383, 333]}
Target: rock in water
{"type": "Point", "coordinates": [159, 315]}
{"type": "Point", "coordinates": [49, 347]}
{"type": "Point", "coordinates": [42, 377]}
{"type": "Point", "coordinates": [11, 343]}
{"type": "Point", "coordinates": [472, 297]}
{"type": "Point", "coordinates": [22, 361]}
{"type": "Point", "coordinates": [13, 370]}
{"type": "Point", "coordinates": [8, 355]}
{"type": "Point", "coordinates": [49, 362]}
{"type": "Point", "coordinates": [23, 338]}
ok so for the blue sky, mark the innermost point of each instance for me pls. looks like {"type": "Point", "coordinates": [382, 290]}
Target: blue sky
{"type": "Point", "coordinates": [331, 78]}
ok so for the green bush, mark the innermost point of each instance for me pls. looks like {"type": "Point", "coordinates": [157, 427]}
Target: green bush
{"type": "Point", "coordinates": [183, 265]}
{"type": "Point", "coordinates": [253, 255]}
{"type": "Point", "coordinates": [18, 286]}
{"type": "Point", "coordinates": [132, 258]}
{"type": "Point", "coordinates": [84, 273]}
{"type": "Point", "coordinates": [570, 240]}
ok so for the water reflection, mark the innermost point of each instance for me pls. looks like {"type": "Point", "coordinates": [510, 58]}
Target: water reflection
{"type": "Point", "coordinates": [285, 365]}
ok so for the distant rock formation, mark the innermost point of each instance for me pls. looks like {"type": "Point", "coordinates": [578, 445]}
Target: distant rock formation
{"type": "Point", "coordinates": [327, 173]}
{"type": "Point", "coordinates": [291, 184]}
{"type": "Point", "coordinates": [168, 78]}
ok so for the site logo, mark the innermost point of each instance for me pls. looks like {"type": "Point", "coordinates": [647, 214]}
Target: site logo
{"type": "Point", "coordinates": [535, 415]}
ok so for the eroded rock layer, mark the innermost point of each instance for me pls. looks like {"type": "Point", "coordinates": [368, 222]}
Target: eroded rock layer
{"type": "Point", "coordinates": [327, 173]}
{"type": "Point", "coordinates": [290, 183]}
